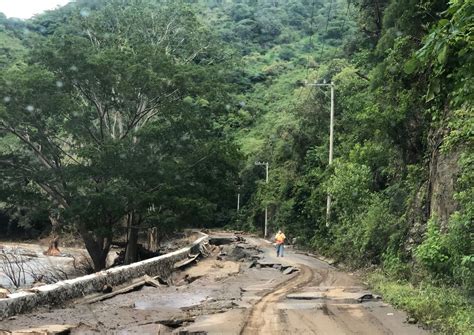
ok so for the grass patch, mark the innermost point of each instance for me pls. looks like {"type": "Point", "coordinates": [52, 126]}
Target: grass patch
{"type": "Point", "coordinates": [444, 309]}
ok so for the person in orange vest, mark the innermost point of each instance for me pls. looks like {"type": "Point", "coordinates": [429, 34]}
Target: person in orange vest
{"type": "Point", "coordinates": [280, 241]}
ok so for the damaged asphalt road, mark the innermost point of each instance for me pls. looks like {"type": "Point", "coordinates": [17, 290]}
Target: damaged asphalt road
{"type": "Point", "coordinates": [239, 288]}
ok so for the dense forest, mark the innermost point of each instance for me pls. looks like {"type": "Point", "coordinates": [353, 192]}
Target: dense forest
{"type": "Point", "coordinates": [117, 116]}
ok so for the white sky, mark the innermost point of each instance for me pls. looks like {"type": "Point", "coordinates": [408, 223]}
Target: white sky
{"type": "Point", "coordinates": [25, 9]}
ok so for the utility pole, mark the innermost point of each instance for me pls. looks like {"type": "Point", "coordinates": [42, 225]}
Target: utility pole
{"type": "Point", "coordinates": [238, 202]}
{"type": "Point", "coordinates": [331, 141]}
{"type": "Point", "coordinates": [266, 182]}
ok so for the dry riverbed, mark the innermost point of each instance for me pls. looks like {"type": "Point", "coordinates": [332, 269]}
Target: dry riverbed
{"type": "Point", "coordinates": [240, 288]}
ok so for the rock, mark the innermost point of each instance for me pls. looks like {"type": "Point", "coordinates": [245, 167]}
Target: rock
{"type": "Point", "coordinates": [365, 297]}
{"type": "Point", "coordinates": [368, 297]}
{"type": "Point", "coordinates": [106, 288]}
{"type": "Point", "coordinates": [176, 323]}
{"type": "Point", "coordinates": [412, 321]}
{"type": "Point", "coordinates": [237, 254]}
{"type": "Point", "coordinates": [189, 279]}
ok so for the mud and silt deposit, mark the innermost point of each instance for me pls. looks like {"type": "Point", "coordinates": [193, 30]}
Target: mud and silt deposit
{"type": "Point", "coordinates": [237, 287]}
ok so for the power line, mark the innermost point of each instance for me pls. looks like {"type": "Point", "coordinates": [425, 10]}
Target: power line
{"type": "Point", "coordinates": [343, 23]}
{"type": "Point", "coordinates": [310, 45]}
{"type": "Point", "coordinates": [310, 37]}
{"type": "Point", "coordinates": [327, 25]}
{"type": "Point", "coordinates": [322, 45]}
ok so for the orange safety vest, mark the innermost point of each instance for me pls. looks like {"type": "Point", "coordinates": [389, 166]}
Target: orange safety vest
{"type": "Point", "coordinates": [280, 238]}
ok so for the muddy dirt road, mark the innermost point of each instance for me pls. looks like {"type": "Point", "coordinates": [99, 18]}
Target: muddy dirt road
{"type": "Point", "coordinates": [241, 288]}
{"type": "Point", "coordinates": [318, 299]}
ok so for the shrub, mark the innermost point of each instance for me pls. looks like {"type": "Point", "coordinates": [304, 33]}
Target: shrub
{"type": "Point", "coordinates": [443, 308]}
{"type": "Point", "coordinates": [432, 254]}
{"type": "Point", "coordinates": [394, 266]}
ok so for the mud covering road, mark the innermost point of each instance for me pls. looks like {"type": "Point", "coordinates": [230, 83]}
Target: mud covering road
{"type": "Point", "coordinates": [322, 300]}
{"type": "Point", "coordinates": [240, 288]}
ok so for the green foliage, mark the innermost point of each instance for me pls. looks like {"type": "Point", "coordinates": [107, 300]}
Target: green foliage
{"type": "Point", "coordinates": [461, 232]}
{"type": "Point", "coordinates": [349, 185]}
{"type": "Point", "coordinates": [367, 232]}
{"type": "Point", "coordinates": [443, 308]}
{"type": "Point", "coordinates": [151, 109]}
{"type": "Point", "coordinates": [12, 41]}
{"type": "Point", "coordinates": [116, 117]}
{"type": "Point", "coordinates": [449, 255]}
{"type": "Point", "coordinates": [432, 253]}
{"type": "Point", "coordinates": [395, 267]}
{"type": "Point", "coordinates": [448, 54]}
{"type": "Point", "coordinates": [385, 129]}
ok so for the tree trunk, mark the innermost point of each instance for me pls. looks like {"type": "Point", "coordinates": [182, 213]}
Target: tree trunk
{"type": "Point", "coordinates": [131, 253]}
{"type": "Point", "coordinates": [55, 223]}
{"type": "Point", "coordinates": [53, 249]}
{"type": "Point", "coordinates": [153, 239]}
{"type": "Point", "coordinates": [98, 248]}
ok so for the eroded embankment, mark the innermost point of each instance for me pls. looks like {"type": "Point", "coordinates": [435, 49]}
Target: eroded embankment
{"type": "Point", "coordinates": [60, 292]}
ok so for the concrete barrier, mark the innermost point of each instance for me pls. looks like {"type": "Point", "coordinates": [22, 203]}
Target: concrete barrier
{"type": "Point", "coordinates": [60, 292]}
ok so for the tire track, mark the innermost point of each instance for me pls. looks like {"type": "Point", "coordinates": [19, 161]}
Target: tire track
{"type": "Point", "coordinates": [264, 317]}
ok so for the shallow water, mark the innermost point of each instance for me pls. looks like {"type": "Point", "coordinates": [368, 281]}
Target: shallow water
{"type": "Point", "coordinates": [27, 262]}
{"type": "Point", "coordinates": [172, 300]}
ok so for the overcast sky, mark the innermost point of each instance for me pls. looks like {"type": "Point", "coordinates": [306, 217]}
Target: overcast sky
{"type": "Point", "coordinates": [25, 9]}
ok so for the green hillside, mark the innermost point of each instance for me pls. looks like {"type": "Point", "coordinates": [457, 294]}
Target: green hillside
{"type": "Point", "coordinates": [118, 116]}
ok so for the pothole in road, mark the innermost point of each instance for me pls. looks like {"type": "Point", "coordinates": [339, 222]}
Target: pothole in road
{"type": "Point", "coordinates": [335, 296]}
{"type": "Point", "coordinates": [299, 305]}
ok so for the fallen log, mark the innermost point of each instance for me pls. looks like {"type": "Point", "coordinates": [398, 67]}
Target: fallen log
{"type": "Point", "coordinates": [185, 262]}
{"type": "Point", "coordinates": [152, 281]}
{"type": "Point", "coordinates": [145, 280]}
{"type": "Point", "coordinates": [133, 286]}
